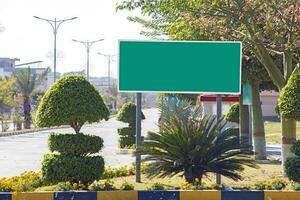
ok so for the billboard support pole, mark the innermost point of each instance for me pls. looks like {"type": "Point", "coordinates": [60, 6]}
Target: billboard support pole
{"type": "Point", "coordinates": [219, 115]}
{"type": "Point", "coordinates": [138, 137]}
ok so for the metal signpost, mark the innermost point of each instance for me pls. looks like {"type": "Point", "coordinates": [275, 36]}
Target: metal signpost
{"type": "Point", "coordinates": [219, 115]}
{"type": "Point", "coordinates": [178, 67]}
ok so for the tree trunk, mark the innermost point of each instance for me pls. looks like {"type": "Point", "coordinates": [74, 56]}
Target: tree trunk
{"type": "Point", "coordinates": [190, 176]}
{"type": "Point", "coordinates": [288, 129]}
{"type": "Point", "coordinates": [244, 124]}
{"type": "Point", "coordinates": [76, 126]}
{"type": "Point", "coordinates": [258, 124]}
{"type": "Point", "coordinates": [27, 110]}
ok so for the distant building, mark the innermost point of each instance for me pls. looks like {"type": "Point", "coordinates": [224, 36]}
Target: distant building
{"type": "Point", "coordinates": [268, 103]}
{"type": "Point", "coordinates": [7, 66]}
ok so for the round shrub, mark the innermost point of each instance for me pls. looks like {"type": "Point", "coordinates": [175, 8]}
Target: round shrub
{"type": "Point", "coordinates": [78, 144]}
{"type": "Point", "coordinates": [296, 148]}
{"type": "Point", "coordinates": [292, 168]}
{"type": "Point", "coordinates": [233, 114]}
{"type": "Point", "coordinates": [60, 168]}
{"type": "Point", "coordinates": [127, 114]}
{"type": "Point", "coordinates": [289, 99]}
{"type": "Point", "coordinates": [71, 100]}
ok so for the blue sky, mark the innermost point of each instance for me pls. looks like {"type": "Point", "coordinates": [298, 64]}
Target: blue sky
{"type": "Point", "coordinates": [30, 39]}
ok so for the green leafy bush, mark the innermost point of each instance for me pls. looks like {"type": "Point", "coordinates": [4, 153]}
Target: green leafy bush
{"type": "Point", "coordinates": [71, 100]}
{"type": "Point", "coordinates": [233, 114]}
{"type": "Point", "coordinates": [198, 138]}
{"type": "Point", "coordinates": [62, 168]}
{"type": "Point", "coordinates": [107, 185]}
{"type": "Point", "coordinates": [273, 184]}
{"type": "Point", "coordinates": [112, 172]}
{"type": "Point", "coordinates": [127, 134]}
{"type": "Point", "coordinates": [78, 144]}
{"type": "Point", "coordinates": [126, 131]}
{"type": "Point", "coordinates": [127, 186]}
{"type": "Point", "coordinates": [289, 99]}
{"type": "Point", "coordinates": [127, 114]}
{"type": "Point", "coordinates": [296, 148]}
{"type": "Point", "coordinates": [27, 181]}
{"type": "Point", "coordinates": [292, 168]}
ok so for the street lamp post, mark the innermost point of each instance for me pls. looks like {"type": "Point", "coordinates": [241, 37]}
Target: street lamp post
{"type": "Point", "coordinates": [88, 44]}
{"type": "Point", "coordinates": [55, 24]}
{"type": "Point", "coordinates": [109, 59]}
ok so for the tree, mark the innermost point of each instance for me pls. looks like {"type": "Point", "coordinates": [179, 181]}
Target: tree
{"type": "Point", "coordinates": [71, 100]}
{"type": "Point", "coordinates": [267, 28]}
{"type": "Point", "coordinates": [7, 87]}
{"type": "Point", "coordinates": [26, 84]}
{"type": "Point", "coordinates": [194, 148]}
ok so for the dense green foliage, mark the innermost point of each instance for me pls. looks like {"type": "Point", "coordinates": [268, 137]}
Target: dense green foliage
{"type": "Point", "coordinates": [289, 100]}
{"type": "Point", "coordinates": [74, 161]}
{"type": "Point", "coordinates": [127, 136]}
{"type": "Point", "coordinates": [292, 168]}
{"type": "Point", "coordinates": [296, 148]}
{"type": "Point", "coordinates": [58, 168]}
{"type": "Point", "coordinates": [194, 148]}
{"type": "Point", "coordinates": [71, 100]}
{"type": "Point", "coordinates": [79, 144]}
{"type": "Point", "coordinates": [233, 114]}
{"type": "Point", "coordinates": [127, 114]}
{"type": "Point", "coordinates": [292, 165]}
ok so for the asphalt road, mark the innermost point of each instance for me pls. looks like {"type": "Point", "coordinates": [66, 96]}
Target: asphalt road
{"type": "Point", "coordinates": [24, 152]}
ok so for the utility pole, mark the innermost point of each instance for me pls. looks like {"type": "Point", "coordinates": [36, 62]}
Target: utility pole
{"type": "Point", "coordinates": [109, 58]}
{"type": "Point", "coordinates": [55, 24]}
{"type": "Point", "coordinates": [88, 44]}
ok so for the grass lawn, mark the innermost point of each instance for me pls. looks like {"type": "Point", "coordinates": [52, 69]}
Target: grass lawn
{"type": "Point", "coordinates": [266, 171]}
{"type": "Point", "coordinates": [273, 131]}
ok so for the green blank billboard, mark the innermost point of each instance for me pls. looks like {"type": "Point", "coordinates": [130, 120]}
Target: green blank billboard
{"type": "Point", "coordinates": [180, 67]}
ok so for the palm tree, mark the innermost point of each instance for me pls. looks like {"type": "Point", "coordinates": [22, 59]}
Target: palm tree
{"type": "Point", "coordinates": [26, 84]}
{"type": "Point", "coordinates": [194, 147]}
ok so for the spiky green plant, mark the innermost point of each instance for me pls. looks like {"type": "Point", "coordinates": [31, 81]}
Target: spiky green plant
{"type": "Point", "coordinates": [193, 148]}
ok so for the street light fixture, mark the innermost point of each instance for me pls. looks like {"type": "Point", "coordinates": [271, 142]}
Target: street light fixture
{"type": "Point", "coordinates": [55, 24]}
{"type": "Point", "coordinates": [88, 44]}
{"type": "Point", "coordinates": [109, 58]}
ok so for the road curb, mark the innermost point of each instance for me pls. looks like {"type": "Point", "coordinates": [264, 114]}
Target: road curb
{"type": "Point", "coordinates": [20, 132]}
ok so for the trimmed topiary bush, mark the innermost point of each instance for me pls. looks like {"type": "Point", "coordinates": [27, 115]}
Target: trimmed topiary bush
{"type": "Point", "coordinates": [71, 100]}
{"type": "Point", "coordinates": [292, 164]}
{"type": "Point", "coordinates": [289, 99]}
{"type": "Point", "coordinates": [233, 114]}
{"type": "Point", "coordinates": [78, 144]}
{"type": "Point", "coordinates": [127, 114]}
{"type": "Point", "coordinates": [60, 168]}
